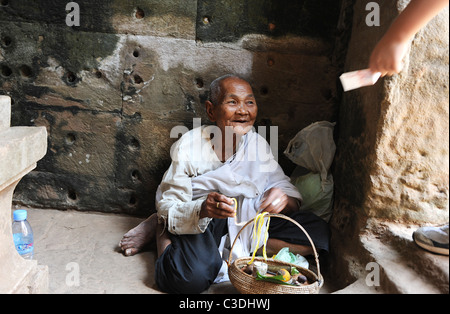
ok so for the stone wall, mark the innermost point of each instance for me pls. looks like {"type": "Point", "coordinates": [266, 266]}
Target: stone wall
{"type": "Point", "coordinates": [110, 90]}
{"type": "Point", "coordinates": [391, 170]}
{"type": "Point", "coordinates": [392, 160]}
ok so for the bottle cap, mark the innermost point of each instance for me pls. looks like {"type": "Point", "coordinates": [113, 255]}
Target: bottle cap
{"type": "Point", "coordinates": [20, 214]}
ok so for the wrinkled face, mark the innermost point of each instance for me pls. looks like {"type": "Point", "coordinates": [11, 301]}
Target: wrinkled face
{"type": "Point", "coordinates": [236, 106]}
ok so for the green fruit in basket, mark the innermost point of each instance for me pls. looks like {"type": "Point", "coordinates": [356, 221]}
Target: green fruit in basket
{"type": "Point", "coordinates": [282, 277]}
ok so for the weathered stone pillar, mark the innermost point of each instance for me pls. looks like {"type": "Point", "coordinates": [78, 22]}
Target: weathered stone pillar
{"type": "Point", "coordinates": [392, 167]}
{"type": "Point", "coordinates": [20, 149]}
{"type": "Point", "coordinates": [392, 160]}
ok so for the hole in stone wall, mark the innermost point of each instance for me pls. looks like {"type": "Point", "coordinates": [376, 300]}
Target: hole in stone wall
{"type": "Point", "coordinates": [137, 116]}
{"type": "Point", "coordinates": [134, 144]}
{"type": "Point", "coordinates": [26, 71]}
{"type": "Point", "coordinates": [98, 74]}
{"type": "Point", "coordinates": [206, 20]}
{"type": "Point", "coordinates": [6, 41]}
{"type": "Point", "coordinates": [136, 53]}
{"type": "Point", "coordinates": [139, 13]}
{"type": "Point", "coordinates": [6, 70]}
{"type": "Point", "coordinates": [72, 194]}
{"type": "Point", "coordinates": [71, 77]}
{"type": "Point", "coordinates": [133, 200]}
{"type": "Point", "coordinates": [138, 79]}
{"type": "Point", "coordinates": [70, 139]}
{"type": "Point", "coordinates": [135, 175]}
{"type": "Point", "coordinates": [199, 82]}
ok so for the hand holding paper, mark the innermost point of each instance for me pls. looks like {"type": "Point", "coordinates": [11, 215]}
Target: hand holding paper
{"type": "Point", "coordinates": [357, 79]}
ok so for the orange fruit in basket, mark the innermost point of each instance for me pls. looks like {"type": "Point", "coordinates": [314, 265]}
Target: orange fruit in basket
{"type": "Point", "coordinates": [285, 275]}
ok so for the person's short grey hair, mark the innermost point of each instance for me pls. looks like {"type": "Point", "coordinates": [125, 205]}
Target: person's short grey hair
{"type": "Point", "coordinates": [215, 87]}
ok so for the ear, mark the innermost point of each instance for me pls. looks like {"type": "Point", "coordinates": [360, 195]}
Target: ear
{"type": "Point", "coordinates": [210, 111]}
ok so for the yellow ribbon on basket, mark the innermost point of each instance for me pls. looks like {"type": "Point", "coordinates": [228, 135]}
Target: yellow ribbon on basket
{"type": "Point", "coordinates": [257, 230]}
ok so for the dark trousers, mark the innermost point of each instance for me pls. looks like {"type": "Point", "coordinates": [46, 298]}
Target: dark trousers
{"type": "Point", "coordinates": [190, 263]}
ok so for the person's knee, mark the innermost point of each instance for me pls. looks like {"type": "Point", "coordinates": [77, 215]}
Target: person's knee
{"type": "Point", "coordinates": [192, 279]}
{"type": "Point", "coordinates": [180, 276]}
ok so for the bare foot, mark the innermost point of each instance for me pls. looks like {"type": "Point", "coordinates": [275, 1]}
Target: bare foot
{"type": "Point", "coordinates": [135, 240]}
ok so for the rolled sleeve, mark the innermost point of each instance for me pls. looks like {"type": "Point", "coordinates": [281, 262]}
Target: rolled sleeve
{"type": "Point", "coordinates": [184, 218]}
{"type": "Point", "coordinates": [176, 207]}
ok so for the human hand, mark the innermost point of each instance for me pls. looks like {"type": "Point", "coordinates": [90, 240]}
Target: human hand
{"type": "Point", "coordinates": [274, 201]}
{"type": "Point", "coordinates": [217, 205]}
{"type": "Point", "coordinates": [387, 56]}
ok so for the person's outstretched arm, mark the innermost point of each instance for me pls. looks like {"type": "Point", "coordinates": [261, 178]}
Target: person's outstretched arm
{"type": "Point", "coordinates": [388, 54]}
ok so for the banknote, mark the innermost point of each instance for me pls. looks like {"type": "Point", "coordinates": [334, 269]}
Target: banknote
{"type": "Point", "coordinates": [357, 79]}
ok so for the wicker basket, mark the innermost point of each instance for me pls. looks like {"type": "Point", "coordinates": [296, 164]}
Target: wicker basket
{"type": "Point", "coordinates": [247, 284]}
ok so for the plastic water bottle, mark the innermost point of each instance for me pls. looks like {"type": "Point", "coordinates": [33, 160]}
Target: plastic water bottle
{"type": "Point", "coordinates": [23, 234]}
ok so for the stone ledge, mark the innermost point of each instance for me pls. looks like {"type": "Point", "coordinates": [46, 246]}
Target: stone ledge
{"type": "Point", "coordinates": [20, 148]}
{"type": "Point", "coordinates": [17, 275]}
{"type": "Point", "coordinates": [407, 267]}
{"type": "Point", "coordinates": [33, 280]}
{"type": "Point", "coordinates": [287, 45]}
{"type": "Point", "coordinates": [404, 268]}
{"type": "Point", "coordinates": [358, 287]}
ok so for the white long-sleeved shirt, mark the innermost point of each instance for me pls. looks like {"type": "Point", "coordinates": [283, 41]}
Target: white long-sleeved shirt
{"type": "Point", "coordinates": [196, 171]}
{"type": "Point", "coordinates": [253, 171]}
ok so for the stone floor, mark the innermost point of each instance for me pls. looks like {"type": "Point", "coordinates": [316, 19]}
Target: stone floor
{"type": "Point", "coordinates": [69, 242]}
{"type": "Point", "coordinates": [75, 243]}
{"type": "Point", "coordinates": [82, 254]}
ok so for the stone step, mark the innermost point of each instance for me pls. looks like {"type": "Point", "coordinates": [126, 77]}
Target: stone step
{"type": "Point", "coordinates": [358, 287]}
{"type": "Point", "coordinates": [5, 112]}
{"type": "Point", "coordinates": [405, 268]}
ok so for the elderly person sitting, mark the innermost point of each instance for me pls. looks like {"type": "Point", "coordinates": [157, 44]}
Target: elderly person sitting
{"type": "Point", "coordinates": [211, 165]}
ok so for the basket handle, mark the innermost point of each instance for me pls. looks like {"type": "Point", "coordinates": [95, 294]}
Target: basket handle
{"type": "Point", "coordinates": [316, 256]}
